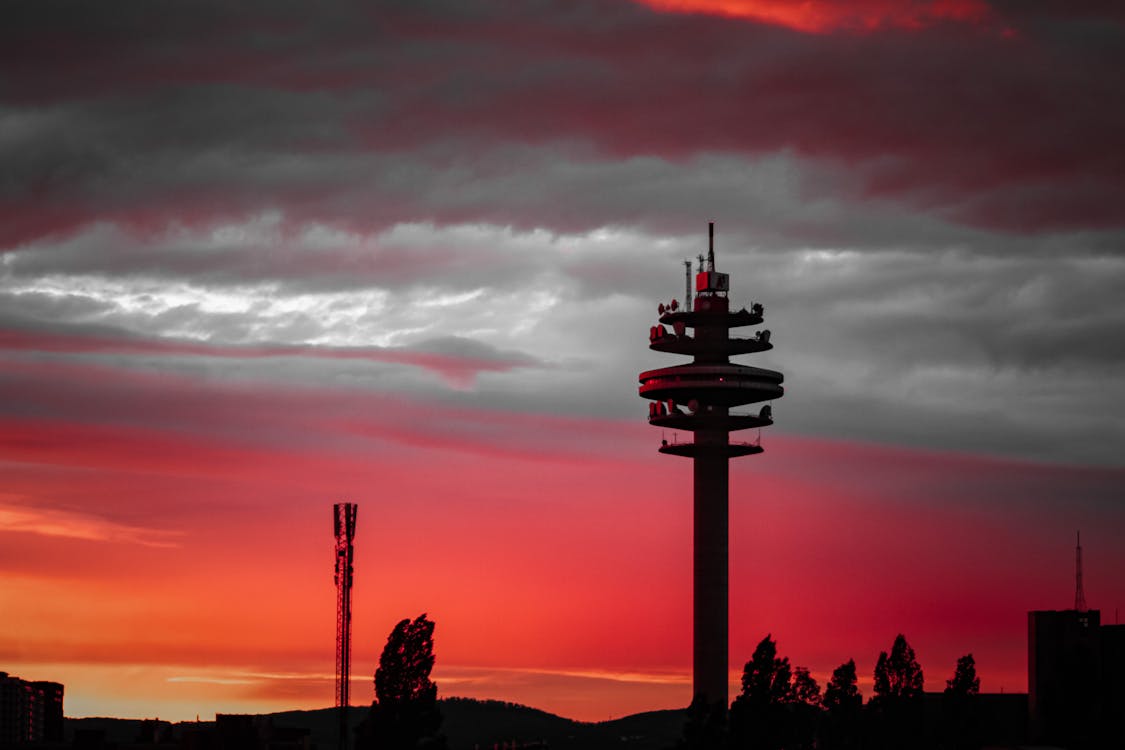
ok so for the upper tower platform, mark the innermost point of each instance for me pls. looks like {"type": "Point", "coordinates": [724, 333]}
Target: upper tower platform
{"type": "Point", "coordinates": [698, 396]}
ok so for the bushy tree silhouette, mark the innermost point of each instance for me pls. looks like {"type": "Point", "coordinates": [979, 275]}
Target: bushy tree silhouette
{"type": "Point", "coordinates": [806, 690]}
{"type": "Point", "coordinates": [759, 716]}
{"type": "Point", "coordinates": [961, 722]}
{"type": "Point", "coordinates": [843, 703]}
{"type": "Point", "coordinates": [766, 678]}
{"type": "Point", "coordinates": [899, 675]}
{"type": "Point", "coordinates": [964, 681]}
{"type": "Point", "coordinates": [895, 711]}
{"type": "Point", "coordinates": [404, 715]}
{"type": "Point", "coordinates": [805, 710]}
{"type": "Point", "coordinates": [842, 692]}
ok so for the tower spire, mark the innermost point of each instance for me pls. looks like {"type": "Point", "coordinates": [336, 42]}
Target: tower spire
{"type": "Point", "coordinates": [687, 286]}
{"type": "Point", "coordinates": [710, 246]}
{"type": "Point", "coordinates": [1079, 594]}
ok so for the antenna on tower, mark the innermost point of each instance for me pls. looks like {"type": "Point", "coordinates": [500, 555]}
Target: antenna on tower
{"type": "Point", "coordinates": [343, 518]}
{"type": "Point", "coordinates": [1079, 594]}
{"type": "Point", "coordinates": [687, 286]}
{"type": "Point", "coordinates": [710, 246]}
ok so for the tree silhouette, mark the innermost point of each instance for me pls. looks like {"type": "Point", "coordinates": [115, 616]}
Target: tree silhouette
{"type": "Point", "coordinates": [804, 709]}
{"type": "Point", "coordinates": [965, 681]}
{"type": "Point", "coordinates": [895, 711]}
{"type": "Point", "coordinates": [842, 692]}
{"type": "Point", "coordinates": [959, 706]}
{"type": "Point", "coordinates": [404, 715]}
{"type": "Point", "coordinates": [843, 702]}
{"type": "Point", "coordinates": [766, 679]}
{"type": "Point", "coordinates": [759, 715]}
{"type": "Point", "coordinates": [898, 675]}
{"type": "Point", "coordinates": [405, 664]}
{"type": "Point", "coordinates": [806, 691]}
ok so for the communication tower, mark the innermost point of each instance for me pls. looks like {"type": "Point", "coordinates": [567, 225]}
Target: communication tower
{"type": "Point", "coordinates": [343, 518]}
{"type": "Point", "coordinates": [698, 397]}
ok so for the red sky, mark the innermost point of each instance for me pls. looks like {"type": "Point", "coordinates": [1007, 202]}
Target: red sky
{"type": "Point", "coordinates": [408, 260]}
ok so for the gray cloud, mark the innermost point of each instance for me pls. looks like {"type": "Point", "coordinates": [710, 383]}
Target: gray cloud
{"type": "Point", "coordinates": [561, 116]}
{"type": "Point", "coordinates": [907, 346]}
{"type": "Point", "coordinates": [932, 219]}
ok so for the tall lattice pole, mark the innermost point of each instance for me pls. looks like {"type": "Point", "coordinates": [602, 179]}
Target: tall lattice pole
{"type": "Point", "coordinates": [343, 517]}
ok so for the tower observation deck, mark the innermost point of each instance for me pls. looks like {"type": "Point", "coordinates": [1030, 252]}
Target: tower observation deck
{"type": "Point", "coordinates": [698, 397]}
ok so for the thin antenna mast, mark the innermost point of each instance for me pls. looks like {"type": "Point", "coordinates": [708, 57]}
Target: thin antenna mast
{"type": "Point", "coordinates": [710, 246]}
{"type": "Point", "coordinates": [687, 285]}
{"type": "Point", "coordinates": [1079, 594]}
{"type": "Point", "coordinates": [343, 517]}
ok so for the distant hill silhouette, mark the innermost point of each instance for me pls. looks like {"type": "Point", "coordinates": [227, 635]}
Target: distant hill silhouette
{"type": "Point", "coordinates": [467, 723]}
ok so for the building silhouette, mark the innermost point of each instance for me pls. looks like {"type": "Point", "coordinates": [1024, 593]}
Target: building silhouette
{"type": "Point", "coordinates": [1064, 663]}
{"type": "Point", "coordinates": [30, 711]}
{"type": "Point", "coordinates": [1075, 668]}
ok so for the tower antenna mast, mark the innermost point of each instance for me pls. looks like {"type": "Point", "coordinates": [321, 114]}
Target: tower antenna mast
{"type": "Point", "coordinates": [1079, 594]}
{"type": "Point", "coordinates": [687, 285]}
{"type": "Point", "coordinates": [343, 518]}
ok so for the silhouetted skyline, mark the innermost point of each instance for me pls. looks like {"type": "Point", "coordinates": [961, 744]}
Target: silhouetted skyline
{"type": "Point", "coordinates": [256, 259]}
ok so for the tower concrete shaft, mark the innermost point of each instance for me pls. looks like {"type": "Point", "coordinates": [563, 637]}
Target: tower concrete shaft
{"type": "Point", "coordinates": [710, 574]}
{"type": "Point", "coordinates": [698, 397]}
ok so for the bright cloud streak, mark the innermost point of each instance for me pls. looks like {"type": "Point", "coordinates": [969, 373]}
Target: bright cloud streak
{"type": "Point", "coordinates": [67, 524]}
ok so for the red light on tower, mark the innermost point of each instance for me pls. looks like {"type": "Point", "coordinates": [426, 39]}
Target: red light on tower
{"type": "Point", "coordinates": [698, 397]}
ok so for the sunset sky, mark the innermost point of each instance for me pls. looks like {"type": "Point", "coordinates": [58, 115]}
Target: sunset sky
{"type": "Point", "coordinates": [256, 259]}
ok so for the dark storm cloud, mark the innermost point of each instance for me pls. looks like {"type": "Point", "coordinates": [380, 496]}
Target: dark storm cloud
{"type": "Point", "coordinates": [145, 115]}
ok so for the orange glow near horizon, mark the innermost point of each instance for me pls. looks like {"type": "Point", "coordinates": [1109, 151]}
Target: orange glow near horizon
{"type": "Point", "coordinates": [823, 16]}
{"type": "Point", "coordinates": [162, 571]}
